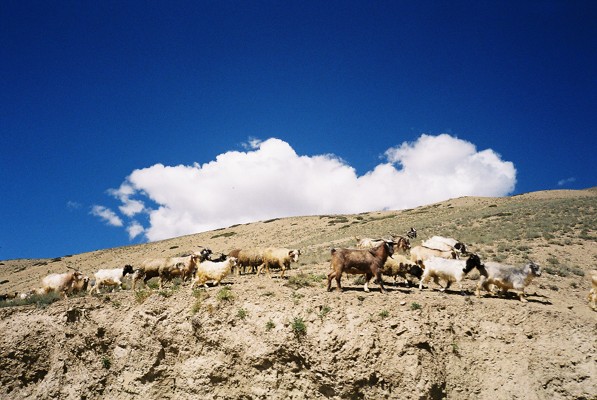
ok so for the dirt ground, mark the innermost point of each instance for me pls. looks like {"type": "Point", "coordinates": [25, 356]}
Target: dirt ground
{"type": "Point", "coordinates": [275, 338]}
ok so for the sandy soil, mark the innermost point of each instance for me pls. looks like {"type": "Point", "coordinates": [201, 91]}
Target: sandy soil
{"type": "Point", "coordinates": [279, 338]}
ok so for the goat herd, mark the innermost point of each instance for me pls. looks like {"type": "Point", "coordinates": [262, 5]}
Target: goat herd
{"type": "Point", "coordinates": [436, 258]}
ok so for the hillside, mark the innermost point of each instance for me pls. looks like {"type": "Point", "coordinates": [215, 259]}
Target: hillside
{"type": "Point", "coordinates": [271, 338]}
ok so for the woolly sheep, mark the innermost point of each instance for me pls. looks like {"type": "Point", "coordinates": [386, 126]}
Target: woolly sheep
{"type": "Point", "coordinates": [214, 271]}
{"type": "Point", "coordinates": [278, 258]}
{"type": "Point", "coordinates": [399, 265]}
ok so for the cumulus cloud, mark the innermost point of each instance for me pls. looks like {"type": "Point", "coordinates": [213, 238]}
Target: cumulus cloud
{"type": "Point", "coordinates": [106, 215]}
{"type": "Point", "coordinates": [134, 229]}
{"type": "Point", "coordinates": [271, 180]}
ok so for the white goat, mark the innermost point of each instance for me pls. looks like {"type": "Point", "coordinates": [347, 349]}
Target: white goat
{"type": "Point", "coordinates": [214, 271]}
{"type": "Point", "coordinates": [449, 270]}
{"type": "Point", "coordinates": [507, 277]}
{"type": "Point", "coordinates": [278, 258]}
{"type": "Point", "coordinates": [110, 277]}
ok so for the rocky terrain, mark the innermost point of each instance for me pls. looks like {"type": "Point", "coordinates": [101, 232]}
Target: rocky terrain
{"type": "Point", "coordinates": [273, 338]}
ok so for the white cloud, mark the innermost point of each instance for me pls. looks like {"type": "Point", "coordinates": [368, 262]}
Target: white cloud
{"type": "Point", "coordinates": [106, 215]}
{"type": "Point", "coordinates": [270, 180]}
{"type": "Point", "coordinates": [563, 182]}
{"type": "Point", "coordinates": [134, 229]}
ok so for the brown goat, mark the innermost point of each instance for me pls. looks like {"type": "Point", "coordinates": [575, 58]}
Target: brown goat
{"type": "Point", "coordinates": [368, 262]}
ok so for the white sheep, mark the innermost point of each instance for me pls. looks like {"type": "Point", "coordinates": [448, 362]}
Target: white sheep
{"type": "Point", "coordinates": [507, 277]}
{"type": "Point", "coordinates": [278, 258]}
{"type": "Point", "coordinates": [110, 277]}
{"type": "Point", "coordinates": [449, 270]}
{"type": "Point", "coordinates": [214, 271]}
{"type": "Point", "coordinates": [419, 254]}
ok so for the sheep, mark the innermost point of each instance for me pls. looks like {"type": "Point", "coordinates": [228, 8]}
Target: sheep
{"type": "Point", "coordinates": [400, 243]}
{"type": "Point", "coordinates": [445, 244]}
{"type": "Point", "coordinates": [593, 292]}
{"type": "Point", "coordinates": [61, 283]}
{"type": "Point", "coordinates": [360, 261]}
{"type": "Point", "coordinates": [449, 270]}
{"type": "Point", "coordinates": [110, 277]}
{"type": "Point", "coordinates": [507, 277]}
{"type": "Point", "coordinates": [248, 258]}
{"type": "Point", "coordinates": [279, 258]}
{"type": "Point", "coordinates": [150, 268]}
{"type": "Point", "coordinates": [215, 271]}
{"type": "Point", "coordinates": [399, 265]}
{"type": "Point", "coordinates": [179, 266]}
{"type": "Point", "coordinates": [419, 254]}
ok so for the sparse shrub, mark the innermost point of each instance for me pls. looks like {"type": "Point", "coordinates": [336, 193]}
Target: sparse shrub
{"type": "Point", "coordinates": [323, 312]}
{"type": "Point", "coordinates": [196, 306]}
{"type": "Point", "coordinates": [269, 325]}
{"type": "Point", "coordinates": [304, 280]}
{"type": "Point", "coordinates": [153, 284]}
{"type": "Point", "coordinates": [40, 300]}
{"type": "Point", "coordinates": [241, 313]}
{"type": "Point", "coordinates": [298, 326]}
{"type": "Point", "coordinates": [359, 280]}
{"type": "Point", "coordinates": [415, 306]}
{"type": "Point", "coordinates": [106, 363]}
{"type": "Point", "coordinates": [225, 294]}
{"type": "Point", "coordinates": [226, 234]}
{"type": "Point", "coordinates": [141, 296]}
{"type": "Point", "coordinates": [166, 293]}
{"type": "Point", "coordinates": [384, 314]}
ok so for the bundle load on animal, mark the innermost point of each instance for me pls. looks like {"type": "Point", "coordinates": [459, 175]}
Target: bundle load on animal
{"type": "Point", "coordinates": [278, 258]}
{"type": "Point", "coordinates": [400, 265]}
{"type": "Point", "coordinates": [507, 277]}
{"type": "Point", "coordinates": [110, 277]}
{"type": "Point", "coordinates": [449, 270]}
{"type": "Point", "coordinates": [64, 283]}
{"type": "Point", "coordinates": [419, 254]}
{"type": "Point", "coordinates": [213, 271]}
{"type": "Point", "coordinates": [445, 244]}
{"type": "Point", "coordinates": [368, 262]}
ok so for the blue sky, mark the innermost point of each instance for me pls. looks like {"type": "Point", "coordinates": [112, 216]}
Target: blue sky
{"type": "Point", "coordinates": [95, 96]}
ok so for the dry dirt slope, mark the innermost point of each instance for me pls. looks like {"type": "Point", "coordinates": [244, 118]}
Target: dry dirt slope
{"type": "Point", "coordinates": [270, 338]}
